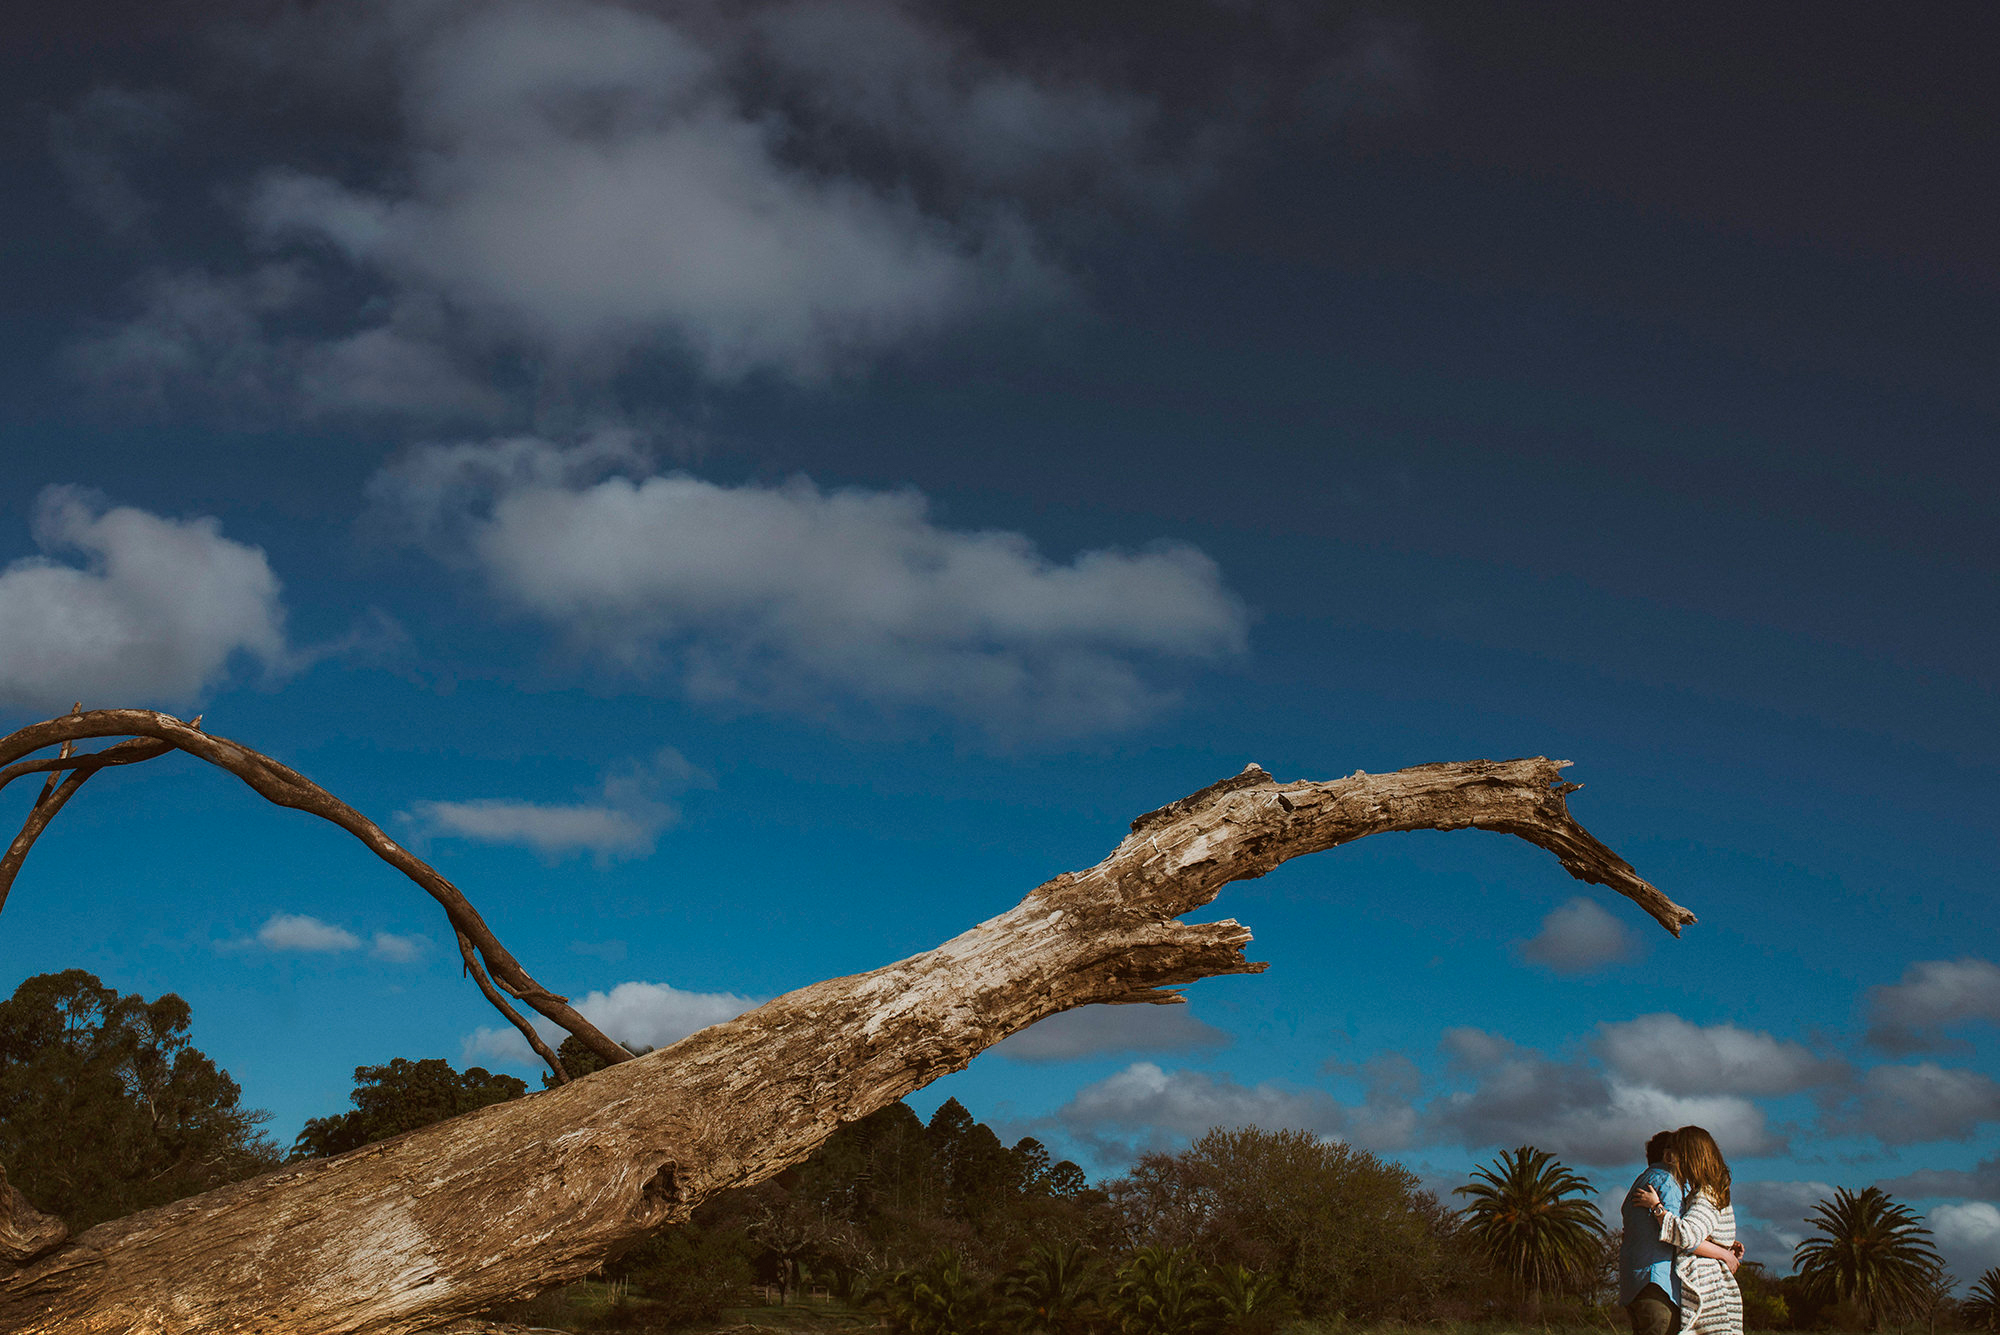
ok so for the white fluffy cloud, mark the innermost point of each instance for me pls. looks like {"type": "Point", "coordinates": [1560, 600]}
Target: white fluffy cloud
{"type": "Point", "coordinates": [549, 828]}
{"type": "Point", "coordinates": [639, 1015]}
{"type": "Point", "coordinates": [1908, 1016]}
{"type": "Point", "coordinates": [156, 613]}
{"type": "Point", "coordinates": [630, 809]}
{"type": "Point", "coordinates": [398, 949]}
{"type": "Point", "coordinates": [1578, 937]}
{"type": "Point", "coordinates": [1670, 1054]}
{"type": "Point", "coordinates": [1093, 1030]}
{"type": "Point", "coordinates": [1903, 1105]}
{"type": "Point", "coordinates": [1967, 1234]}
{"type": "Point", "coordinates": [304, 934]}
{"type": "Point", "coordinates": [776, 594]}
{"type": "Point", "coordinates": [297, 931]}
{"type": "Point", "coordinates": [1520, 1097]}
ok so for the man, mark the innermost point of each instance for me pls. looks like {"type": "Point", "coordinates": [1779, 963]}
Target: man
{"type": "Point", "coordinates": [1646, 1283]}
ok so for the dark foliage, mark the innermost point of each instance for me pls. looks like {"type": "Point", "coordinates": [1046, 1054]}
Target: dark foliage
{"type": "Point", "coordinates": [106, 1107]}
{"type": "Point", "coordinates": [402, 1096]}
{"type": "Point", "coordinates": [1871, 1253]}
{"type": "Point", "coordinates": [1341, 1230]}
{"type": "Point", "coordinates": [1527, 1215]}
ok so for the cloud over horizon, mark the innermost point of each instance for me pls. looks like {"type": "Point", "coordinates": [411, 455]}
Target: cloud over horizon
{"type": "Point", "coordinates": [1094, 1030]}
{"type": "Point", "coordinates": [1145, 1107]}
{"type": "Point", "coordinates": [1518, 1096]}
{"type": "Point", "coordinates": [637, 1014]}
{"type": "Point", "coordinates": [1923, 1101]}
{"type": "Point", "coordinates": [1680, 1058]}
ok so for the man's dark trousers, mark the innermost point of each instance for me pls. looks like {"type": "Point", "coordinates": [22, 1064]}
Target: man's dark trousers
{"type": "Point", "coordinates": [1653, 1312]}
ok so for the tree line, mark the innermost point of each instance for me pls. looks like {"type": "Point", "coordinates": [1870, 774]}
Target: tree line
{"type": "Point", "coordinates": [107, 1108]}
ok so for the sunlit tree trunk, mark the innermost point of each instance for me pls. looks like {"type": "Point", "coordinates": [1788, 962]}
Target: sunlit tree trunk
{"type": "Point", "coordinates": [506, 1201]}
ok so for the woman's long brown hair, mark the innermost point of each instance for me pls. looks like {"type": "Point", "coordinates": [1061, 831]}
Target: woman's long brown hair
{"type": "Point", "coordinates": [1698, 1162]}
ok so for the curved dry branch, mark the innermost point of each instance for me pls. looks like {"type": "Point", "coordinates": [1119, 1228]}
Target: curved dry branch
{"type": "Point", "coordinates": [57, 791]}
{"type": "Point", "coordinates": [154, 733]}
{"type": "Point", "coordinates": [450, 1219]}
{"type": "Point", "coordinates": [470, 956]}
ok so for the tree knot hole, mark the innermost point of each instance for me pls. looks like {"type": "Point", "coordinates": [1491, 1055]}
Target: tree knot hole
{"type": "Point", "coordinates": [661, 1193]}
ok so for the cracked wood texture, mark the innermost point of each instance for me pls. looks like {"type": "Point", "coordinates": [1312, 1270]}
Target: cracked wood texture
{"type": "Point", "coordinates": [511, 1199]}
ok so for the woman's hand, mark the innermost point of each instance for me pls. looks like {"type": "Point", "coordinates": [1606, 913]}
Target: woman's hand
{"type": "Point", "coordinates": [1647, 1197]}
{"type": "Point", "coordinates": [1734, 1259]}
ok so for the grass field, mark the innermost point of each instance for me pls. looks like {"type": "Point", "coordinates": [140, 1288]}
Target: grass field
{"type": "Point", "coordinates": [579, 1306]}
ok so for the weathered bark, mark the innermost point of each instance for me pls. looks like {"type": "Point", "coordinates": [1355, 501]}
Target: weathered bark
{"type": "Point", "coordinates": [25, 1232]}
{"type": "Point", "coordinates": [505, 1201]}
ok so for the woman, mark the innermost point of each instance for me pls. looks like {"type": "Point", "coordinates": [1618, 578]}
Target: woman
{"type": "Point", "coordinates": [1704, 1235]}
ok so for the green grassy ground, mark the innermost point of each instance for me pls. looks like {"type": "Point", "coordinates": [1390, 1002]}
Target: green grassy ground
{"type": "Point", "coordinates": [575, 1307]}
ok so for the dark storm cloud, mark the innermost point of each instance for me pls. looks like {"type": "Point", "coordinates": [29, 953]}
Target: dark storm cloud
{"type": "Point", "coordinates": [1920, 1102]}
{"type": "Point", "coordinates": [1521, 1097]}
{"type": "Point", "coordinates": [1982, 1180]}
{"type": "Point", "coordinates": [1910, 1015]}
{"type": "Point", "coordinates": [93, 144]}
{"type": "Point", "coordinates": [792, 189]}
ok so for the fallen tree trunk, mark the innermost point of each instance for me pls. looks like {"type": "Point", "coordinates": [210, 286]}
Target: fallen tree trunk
{"type": "Point", "coordinates": [511, 1199]}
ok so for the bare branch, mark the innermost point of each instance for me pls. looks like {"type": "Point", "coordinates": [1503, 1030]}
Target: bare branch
{"type": "Point", "coordinates": [288, 788]}
{"type": "Point", "coordinates": [514, 1017]}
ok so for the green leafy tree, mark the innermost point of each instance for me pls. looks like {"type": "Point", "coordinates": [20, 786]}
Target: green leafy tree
{"type": "Point", "coordinates": [1055, 1290]}
{"type": "Point", "coordinates": [106, 1107]}
{"type": "Point", "coordinates": [1981, 1307]}
{"type": "Point", "coordinates": [402, 1096]}
{"type": "Point", "coordinates": [1340, 1229]}
{"type": "Point", "coordinates": [1031, 1167]}
{"type": "Point", "coordinates": [1871, 1252]}
{"type": "Point", "coordinates": [1528, 1217]}
{"type": "Point", "coordinates": [1067, 1182]}
{"type": "Point", "coordinates": [579, 1060]}
{"type": "Point", "coordinates": [689, 1273]}
{"type": "Point", "coordinates": [1764, 1305]}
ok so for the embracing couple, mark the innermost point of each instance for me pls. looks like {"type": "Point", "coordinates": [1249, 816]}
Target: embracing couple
{"type": "Point", "coordinates": [1677, 1268]}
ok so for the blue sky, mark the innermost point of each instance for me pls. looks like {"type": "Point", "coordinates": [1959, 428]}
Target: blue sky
{"type": "Point", "coordinates": [749, 492]}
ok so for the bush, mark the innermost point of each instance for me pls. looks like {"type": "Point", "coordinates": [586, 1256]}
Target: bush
{"type": "Point", "coordinates": [689, 1273]}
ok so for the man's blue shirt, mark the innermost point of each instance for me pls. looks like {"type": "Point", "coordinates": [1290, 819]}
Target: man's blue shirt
{"type": "Point", "coordinates": [1643, 1259]}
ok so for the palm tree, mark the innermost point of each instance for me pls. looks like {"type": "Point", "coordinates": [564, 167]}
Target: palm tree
{"type": "Point", "coordinates": [1163, 1292]}
{"type": "Point", "coordinates": [1054, 1289]}
{"type": "Point", "coordinates": [936, 1298]}
{"type": "Point", "coordinates": [1529, 1218]}
{"type": "Point", "coordinates": [1873, 1253]}
{"type": "Point", "coordinates": [1241, 1295]}
{"type": "Point", "coordinates": [1982, 1306]}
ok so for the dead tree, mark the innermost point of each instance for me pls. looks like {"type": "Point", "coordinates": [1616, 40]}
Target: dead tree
{"type": "Point", "coordinates": [516, 1197]}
